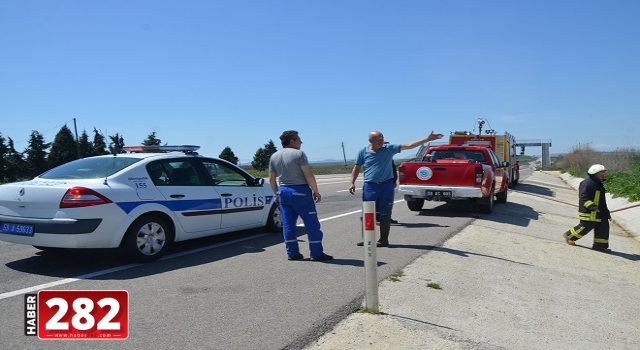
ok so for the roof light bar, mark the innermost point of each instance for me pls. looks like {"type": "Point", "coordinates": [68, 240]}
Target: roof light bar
{"type": "Point", "coordinates": [156, 149]}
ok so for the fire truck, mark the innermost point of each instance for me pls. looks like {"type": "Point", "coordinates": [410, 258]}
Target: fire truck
{"type": "Point", "coordinates": [504, 146]}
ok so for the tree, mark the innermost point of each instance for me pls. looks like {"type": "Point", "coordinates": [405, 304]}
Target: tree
{"type": "Point", "coordinates": [270, 148]}
{"type": "Point", "coordinates": [99, 144]}
{"type": "Point", "coordinates": [84, 146]}
{"type": "Point", "coordinates": [261, 158]}
{"type": "Point", "coordinates": [63, 148]}
{"type": "Point", "coordinates": [36, 160]}
{"type": "Point", "coordinates": [152, 140]}
{"type": "Point", "coordinates": [117, 144]}
{"type": "Point", "coordinates": [228, 155]}
{"type": "Point", "coordinates": [15, 169]}
{"type": "Point", "coordinates": [3, 159]}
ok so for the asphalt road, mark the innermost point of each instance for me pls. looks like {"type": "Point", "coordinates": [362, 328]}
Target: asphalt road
{"type": "Point", "coordinates": [235, 291]}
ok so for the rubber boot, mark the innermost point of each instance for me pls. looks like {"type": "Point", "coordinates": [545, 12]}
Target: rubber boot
{"type": "Point", "coordinates": [385, 228]}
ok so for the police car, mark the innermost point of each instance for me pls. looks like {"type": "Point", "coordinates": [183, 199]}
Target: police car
{"type": "Point", "coordinates": [139, 202]}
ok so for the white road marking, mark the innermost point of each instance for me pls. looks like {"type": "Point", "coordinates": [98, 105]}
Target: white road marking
{"type": "Point", "coordinates": [129, 266]}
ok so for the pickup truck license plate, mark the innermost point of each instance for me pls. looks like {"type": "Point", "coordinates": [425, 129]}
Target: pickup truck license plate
{"type": "Point", "coordinates": [437, 193]}
{"type": "Point", "coordinates": [16, 229]}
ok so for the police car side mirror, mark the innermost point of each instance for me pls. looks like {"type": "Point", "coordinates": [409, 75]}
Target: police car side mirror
{"type": "Point", "coordinates": [258, 182]}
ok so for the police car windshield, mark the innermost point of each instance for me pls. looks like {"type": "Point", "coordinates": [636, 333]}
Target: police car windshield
{"type": "Point", "coordinates": [89, 168]}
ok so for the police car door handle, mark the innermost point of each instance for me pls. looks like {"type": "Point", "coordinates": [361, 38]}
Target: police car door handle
{"type": "Point", "coordinates": [226, 195]}
{"type": "Point", "coordinates": [177, 196]}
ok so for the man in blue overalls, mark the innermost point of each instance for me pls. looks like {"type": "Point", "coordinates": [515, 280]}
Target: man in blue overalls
{"type": "Point", "coordinates": [297, 195]}
{"type": "Point", "coordinates": [378, 176]}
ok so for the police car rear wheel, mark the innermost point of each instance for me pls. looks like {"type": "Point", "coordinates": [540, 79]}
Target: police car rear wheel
{"type": "Point", "coordinates": [274, 222]}
{"type": "Point", "coordinates": [147, 239]}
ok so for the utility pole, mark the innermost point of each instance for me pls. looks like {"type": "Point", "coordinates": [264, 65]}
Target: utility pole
{"type": "Point", "coordinates": [344, 155]}
{"type": "Point", "coordinates": [75, 128]}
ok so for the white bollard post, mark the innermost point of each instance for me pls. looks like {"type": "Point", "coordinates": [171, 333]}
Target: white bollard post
{"type": "Point", "coordinates": [370, 257]}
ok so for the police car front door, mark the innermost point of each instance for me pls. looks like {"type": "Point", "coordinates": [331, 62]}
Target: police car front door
{"type": "Point", "coordinates": [243, 205]}
{"type": "Point", "coordinates": [194, 201]}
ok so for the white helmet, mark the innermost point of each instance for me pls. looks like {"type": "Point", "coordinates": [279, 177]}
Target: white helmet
{"type": "Point", "coordinates": [596, 168]}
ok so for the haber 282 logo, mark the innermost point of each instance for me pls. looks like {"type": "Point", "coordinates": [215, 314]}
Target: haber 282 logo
{"type": "Point", "coordinates": [77, 314]}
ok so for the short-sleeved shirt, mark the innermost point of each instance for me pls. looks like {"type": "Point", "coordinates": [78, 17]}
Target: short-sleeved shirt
{"type": "Point", "coordinates": [377, 165]}
{"type": "Point", "coordinates": [287, 163]}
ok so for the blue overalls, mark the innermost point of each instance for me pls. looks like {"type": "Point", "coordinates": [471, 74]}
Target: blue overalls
{"type": "Point", "coordinates": [297, 200]}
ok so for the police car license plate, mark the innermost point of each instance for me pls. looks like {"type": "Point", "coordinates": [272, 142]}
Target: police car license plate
{"type": "Point", "coordinates": [437, 193]}
{"type": "Point", "coordinates": [16, 229]}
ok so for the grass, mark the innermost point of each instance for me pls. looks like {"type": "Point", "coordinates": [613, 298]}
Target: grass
{"type": "Point", "coordinates": [623, 168]}
{"type": "Point", "coordinates": [395, 277]}
{"type": "Point", "coordinates": [433, 285]}
{"type": "Point", "coordinates": [365, 310]}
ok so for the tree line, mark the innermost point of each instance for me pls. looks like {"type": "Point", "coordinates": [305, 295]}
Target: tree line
{"type": "Point", "coordinates": [40, 156]}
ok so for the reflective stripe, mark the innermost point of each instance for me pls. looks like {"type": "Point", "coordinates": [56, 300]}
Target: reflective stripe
{"type": "Point", "coordinates": [315, 242]}
{"type": "Point", "coordinates": [575, 233]}
{"type": "Point", "coordinates": [600, 240]}
{"type": "Point", "coordinates": [290, 241]}
{"type": "Point", "coordinates": [588, 204]}
{"type": "Point", "coordinates": [588, 217]}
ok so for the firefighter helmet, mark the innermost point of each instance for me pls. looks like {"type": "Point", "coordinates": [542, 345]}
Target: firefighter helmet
{"type": "Point", "coordinates": [596, 168]}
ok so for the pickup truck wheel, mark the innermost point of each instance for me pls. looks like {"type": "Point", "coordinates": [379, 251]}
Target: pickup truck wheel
{"type": "Point", "coordinates": [502, 196]}
{"type": "Point", "coordinates": [486, 204]}
{"type": "Point", "coordinates": [416, 204]}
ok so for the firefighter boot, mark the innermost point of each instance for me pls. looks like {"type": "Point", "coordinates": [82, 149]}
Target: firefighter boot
{"type": "Point", "coordinates": [385, 227]}
{"type": "Point", "coordinates": [569, 240]}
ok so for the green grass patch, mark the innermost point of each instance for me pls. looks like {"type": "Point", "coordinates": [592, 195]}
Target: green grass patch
{"type": "Point", "coordinates": [365, 310]}
{"type": "Point", "coordinates": [433, 285]}
{"type": "Point", "coordinates": [395, 277]}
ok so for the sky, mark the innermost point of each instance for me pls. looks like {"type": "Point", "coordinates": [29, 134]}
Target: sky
{"type": "Point", "coordinates": [219, 73]}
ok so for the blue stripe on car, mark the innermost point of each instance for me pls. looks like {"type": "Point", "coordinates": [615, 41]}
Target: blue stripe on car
{"type": "Point", "coordinates": [178, 205]}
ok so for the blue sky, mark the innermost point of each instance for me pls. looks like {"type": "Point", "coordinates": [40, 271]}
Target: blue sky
{"type": "Point", "coordinates": [238, 73]}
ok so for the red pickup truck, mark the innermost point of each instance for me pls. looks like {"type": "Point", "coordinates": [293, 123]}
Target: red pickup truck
{"type": "Point", "coordinates": [454, 172]}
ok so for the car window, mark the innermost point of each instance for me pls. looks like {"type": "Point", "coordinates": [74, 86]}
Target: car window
{"type": "Point", "coordinates": [183, 173]}
{"type": "Point", "coordinates": [225, 175]}
{"type": "Point", "coordinates": [89, 168]}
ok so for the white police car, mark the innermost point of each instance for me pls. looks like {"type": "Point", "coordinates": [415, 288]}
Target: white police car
{"type": "Point", "coordinates": [139, 202]}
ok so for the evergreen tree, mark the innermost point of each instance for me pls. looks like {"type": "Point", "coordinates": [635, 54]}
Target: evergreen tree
{"type": "Point", "coordinates": [117, 144]}
{"type": "Point", "coordinates": [84, 146]}
{"type": "Point", "coordinates": [63, 149]}
{"type": "Point", "coordinates": [228, 155]}
{"type": "Point", "coordinates": [260, 160]}
{"type": "Point", "coordinates": [3, 159]}
{"type": "Point", "coordinates": [151, 140]}
{"type": "Point", "coordinates": [99, 143]}
{"type": "Point", "coordinates": [15, 169]}
{"type": "Point", "coordinates": [270, 148]}
{"type": "Point", "coordinates": [36, 160]}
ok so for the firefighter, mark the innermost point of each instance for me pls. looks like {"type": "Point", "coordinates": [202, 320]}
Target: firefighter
{"type": "Point", "coordinates": [592, 211]}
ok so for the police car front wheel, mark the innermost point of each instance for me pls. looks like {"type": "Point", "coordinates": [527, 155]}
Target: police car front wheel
{"type": "Point", "coordinates": [147, 239]}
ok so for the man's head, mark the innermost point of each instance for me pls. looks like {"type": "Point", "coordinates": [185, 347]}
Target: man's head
{"type": "Point", "coordinates": [598, 170]}
{"type": "Point", "coordinates": [290, 139]}
{"type": "Point", "coordinates": [376, 139]}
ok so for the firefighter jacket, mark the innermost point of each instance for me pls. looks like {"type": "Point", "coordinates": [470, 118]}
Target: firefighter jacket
{"type": "Point", "coordinates": [592, 197]}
